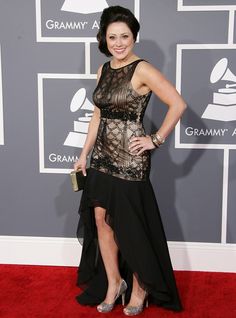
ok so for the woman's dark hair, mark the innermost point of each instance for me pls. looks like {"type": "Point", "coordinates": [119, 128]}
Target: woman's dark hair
{"type": "Point", "coordinates": [115, 14]}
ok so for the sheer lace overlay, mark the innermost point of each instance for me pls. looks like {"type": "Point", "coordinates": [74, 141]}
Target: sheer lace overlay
{"type": "Point", "coordinates": [122, 110]}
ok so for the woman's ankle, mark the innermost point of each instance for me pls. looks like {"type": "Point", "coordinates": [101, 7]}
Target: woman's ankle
{"type": "Point", "coordinates": [114, 280]}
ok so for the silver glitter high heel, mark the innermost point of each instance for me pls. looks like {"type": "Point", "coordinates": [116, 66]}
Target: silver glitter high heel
{"type": "Point", "coordinates": [104, 307]}
{"type": "Point", "coordinates": [136, 310]}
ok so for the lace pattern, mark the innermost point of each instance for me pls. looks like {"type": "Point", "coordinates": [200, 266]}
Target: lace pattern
{"type": "Point", "coordinates": [122, 111]}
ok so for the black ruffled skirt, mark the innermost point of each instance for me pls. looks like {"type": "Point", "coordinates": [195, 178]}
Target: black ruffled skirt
{"type": "Point", "coordinates": [133, 214]}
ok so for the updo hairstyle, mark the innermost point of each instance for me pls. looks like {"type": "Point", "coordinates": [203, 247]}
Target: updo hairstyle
{"type": "Point", "coordinates": [115, 14]}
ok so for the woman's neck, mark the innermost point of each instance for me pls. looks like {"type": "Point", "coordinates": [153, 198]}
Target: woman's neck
{"type": "Point", "coordinates": [116, 63]}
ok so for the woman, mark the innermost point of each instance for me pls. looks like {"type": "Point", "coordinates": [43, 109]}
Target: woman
{"type": "Point", "coordinates": [124, 246]}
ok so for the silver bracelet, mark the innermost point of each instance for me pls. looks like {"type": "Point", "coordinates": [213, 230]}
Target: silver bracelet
{"type": "Point", "coordinates": [155, 141]}
{"type": "Point", "coordinates": [160, 139]}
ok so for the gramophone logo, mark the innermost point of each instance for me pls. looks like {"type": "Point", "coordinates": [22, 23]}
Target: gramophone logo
{"type": "Point", "coordinates": [223, 107]}
{"type": "Point", "coordinates": [65, 111]}
{"type": "Point", "coordinates": [84, 7]}
{"type": "Point", "coordinates": [77, 137]}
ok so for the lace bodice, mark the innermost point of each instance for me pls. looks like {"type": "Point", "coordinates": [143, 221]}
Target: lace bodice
{"type": "Point", "coordinates": [122, 110]}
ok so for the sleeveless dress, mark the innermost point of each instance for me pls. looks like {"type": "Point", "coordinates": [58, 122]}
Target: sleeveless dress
{"type": "Point", "coordinates": [119, 182]}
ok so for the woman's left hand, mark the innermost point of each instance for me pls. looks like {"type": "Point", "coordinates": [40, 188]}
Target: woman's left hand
{"type": "Point", "coordinates": [139, 144]}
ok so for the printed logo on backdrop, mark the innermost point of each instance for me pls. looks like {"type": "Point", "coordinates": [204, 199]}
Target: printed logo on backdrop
{"type": "Point", "coordinates": [1, 105]}
{"type": "Point", "coordinates": [65, 110]}
{"type": "Point", "coordinates": [80, 101]}
{"type": "Point", "coordinates": [223, 107]}
{"type": "Point", "coordinates": [211, 95]}
{"type": "Point", "coordinates": [73, 20]}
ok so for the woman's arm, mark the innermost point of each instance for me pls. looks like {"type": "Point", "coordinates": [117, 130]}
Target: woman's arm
{"type": "Point", "coordinates": [80, 164]}
{"type": "Point", "coordinates": [149, 77]}
{"type": "Point", "coordinates": [92, 133]}
{"type": "Point", "coordinates": [167, 93]}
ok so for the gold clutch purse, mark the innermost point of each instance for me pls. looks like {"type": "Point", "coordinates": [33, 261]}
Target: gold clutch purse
{"type": "Point", "coordinates": [77, 180]}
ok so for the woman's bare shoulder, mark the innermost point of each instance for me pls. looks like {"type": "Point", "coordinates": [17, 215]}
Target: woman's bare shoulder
{"type": "Point", "coordinates": [144, 68]}
{"type": "Point", "coordinates": [99, 71]}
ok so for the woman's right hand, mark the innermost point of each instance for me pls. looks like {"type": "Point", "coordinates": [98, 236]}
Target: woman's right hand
{"type": "Point", "coordinates": [80, 164]}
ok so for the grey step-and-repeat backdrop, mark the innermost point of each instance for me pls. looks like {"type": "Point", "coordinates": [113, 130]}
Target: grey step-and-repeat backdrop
{"type": "Point", "coordinates": [48, 64]}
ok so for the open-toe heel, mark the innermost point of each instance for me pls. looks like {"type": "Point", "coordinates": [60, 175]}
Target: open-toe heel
{"type": "Point", "coordinates": [136, 310]}
{"type": "Point", "coordinates": [105, 307]}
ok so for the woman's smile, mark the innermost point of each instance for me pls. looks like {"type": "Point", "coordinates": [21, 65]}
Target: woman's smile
{"type": "Point", "coordinates": [119, 50]}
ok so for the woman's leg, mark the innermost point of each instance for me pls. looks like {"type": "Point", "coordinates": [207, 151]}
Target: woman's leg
{"type": "Point", "coordinates": [137, 295]}
{"type": "Point", "coordinates": [109, 253]}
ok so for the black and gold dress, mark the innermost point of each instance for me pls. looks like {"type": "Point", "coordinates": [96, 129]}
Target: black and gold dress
{"type": "Point", "coordinates": [119, 182]}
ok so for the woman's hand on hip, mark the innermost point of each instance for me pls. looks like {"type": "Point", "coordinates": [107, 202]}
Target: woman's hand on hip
{"type": "Point", "coordinates": [140, 144]}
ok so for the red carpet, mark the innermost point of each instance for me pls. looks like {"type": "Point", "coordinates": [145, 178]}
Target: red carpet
{"type": "Point", "coordinates": [49, 291]}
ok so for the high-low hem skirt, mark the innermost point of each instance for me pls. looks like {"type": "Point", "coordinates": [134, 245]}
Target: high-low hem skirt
{"type": "Point", "coordinates": [133, 214]}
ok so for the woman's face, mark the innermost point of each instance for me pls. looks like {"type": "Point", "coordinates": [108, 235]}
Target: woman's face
{"type": "Point", "coordinates": [120, 40]}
